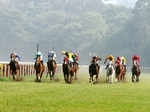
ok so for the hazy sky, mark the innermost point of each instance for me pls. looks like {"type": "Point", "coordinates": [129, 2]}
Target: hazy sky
{"type": "Point", "coordinates": [127, 3]}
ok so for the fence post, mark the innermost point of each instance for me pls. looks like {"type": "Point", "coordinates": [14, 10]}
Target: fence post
{"type": "Point", "coordinates": [24, 70]}
{"type": "Point", "coordinates": [7, 70]}
{"type": "Point", "coordinates": [3, 70]}
{"type": "Point", "coordinates": [0, 69]}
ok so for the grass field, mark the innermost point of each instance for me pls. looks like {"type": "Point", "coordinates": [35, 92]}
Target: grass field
{"type": "Point", "coordinates": [56, 96]}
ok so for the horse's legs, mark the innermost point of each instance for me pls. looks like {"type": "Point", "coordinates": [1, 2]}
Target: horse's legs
{"type": "Point", "coordinates": [133, 76]}
{"type": "Point", "coordinates": [64, 77]}
{"type": "Point", "coordinates": [67, 78]}
{"type": "Point", "coordinates": [13, 74]}
{"type": "Point", "coordinates": [41, 75]}
{"type": "Point", "coordinates": [106, 78]}
{"type": "Point", "coordinates": [75, 71]}
{"type": "Point", "coordinates": [50, 74]}
{"type": "Point", "coordinates": [41, 71]}
{"type": "Point", "coordinates": [137, 78]}
{"type": "Point", "coordinates": [96, 77]}
{"type": "Point", "coordinates": [47, 73]}
{"type": "Point", "coordinates": [37, 77]}
{"type": "Point", "coordinates": [119, 77]}
{"type": "Point", "coordinates": [112, 76]}
{"type": "Point", "coordinates": [91, 78]}
{"type": "Point", "coordinates": [53, 74]}
{"type": "Point", "coordinates": [17, 74]}
{"type": "Point", "coordinates": [71, 75]}
{"type": "Point", "coordinates": [76, 75]}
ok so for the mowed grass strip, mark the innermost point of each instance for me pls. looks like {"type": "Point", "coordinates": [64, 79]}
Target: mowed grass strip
{"type": "Point", "coordinates": [56, 96]}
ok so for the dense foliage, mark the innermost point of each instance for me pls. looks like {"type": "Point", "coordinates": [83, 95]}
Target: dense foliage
{"type": "Point", "coordinates": [88, 26]}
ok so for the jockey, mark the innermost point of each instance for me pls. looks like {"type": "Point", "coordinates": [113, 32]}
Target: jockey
{"type": "Point", "coordinates": [135, 60]}
{"type": "Point", "coordinates": [39, 54]}
{"type": "Point", "coordinates": [75, 57]}
{"type": "Point", "coordinates": [118, 62]}
{"type": "Point", "coordinates": [52, 55]}
{"type": "Point", "coordinates": [119, 59]}
{"type": "Point", "coordinates": [109, 58]}
{"type": "Point", "coordinates": [15, 57]}
{"type": "Point", "coordinates": [123, 61]}
{"type": "Point", "coordinates": [95, 59]}
{"type": "Point", "coordinates": [69, 56]}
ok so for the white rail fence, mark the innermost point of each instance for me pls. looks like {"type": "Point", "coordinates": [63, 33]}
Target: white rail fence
{"type": "Point", "coordinates": [27, 68]}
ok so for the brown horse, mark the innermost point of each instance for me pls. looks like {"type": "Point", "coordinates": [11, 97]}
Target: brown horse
{"type": "Point", "coordinates": [39, 68]}
{"type": "Point", "coordinates": [68, 71]}
{"type": "Point", "coordinates": [136, 73]}
{"type": "Point", "coordinates": [51, 64]}
{"type": "Point", "coordinates": [120, 72]}
{"type": "Point", "coordinates": [124, 70]}
{"type": "Point", "coordinates": [14, 70]}
{"type": "Point", "coordinates": [76, 68]}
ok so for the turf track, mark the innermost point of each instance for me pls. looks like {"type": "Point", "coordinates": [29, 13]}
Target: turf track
{"type": "Point", "coordinates": [56, 96]}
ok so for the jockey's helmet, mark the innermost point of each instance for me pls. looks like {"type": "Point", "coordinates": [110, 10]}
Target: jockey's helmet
{"type": "Point", "coordinates": [63, 52]}
{"type": "Point", "coordinates": [39, 53]}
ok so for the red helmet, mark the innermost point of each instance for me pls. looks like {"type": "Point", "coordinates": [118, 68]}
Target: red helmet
{"type": "Point", "coordinates": [118, 58]}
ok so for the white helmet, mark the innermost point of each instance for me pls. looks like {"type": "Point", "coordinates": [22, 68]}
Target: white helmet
{"type": "Point", "coordinates": [39, 53]}
{"type": "Point", "coordinates": [15, 54]}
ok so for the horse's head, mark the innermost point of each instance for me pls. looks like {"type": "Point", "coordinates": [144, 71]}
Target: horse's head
{"type": "Point", "coordinates": [38, 59]}
{"type": "Point", "coordinates": [66, 60]}
{"type": "Point", "coordinates": [12, 64]}
{"type": "Point", "coordinates": [110, 66]}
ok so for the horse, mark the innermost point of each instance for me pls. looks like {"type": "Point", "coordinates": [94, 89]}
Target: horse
{"type": "Point", "coordinates": [135, 73]}
{"type": "Point", "coordinates": [39, 68]}
{"type": "Point", "coordinates": [93, 70]}
{"type": "Point", "coordinates": [51, 64]}
{"type": "Point", "coordinates": [76, 68]}
{"type": "Point", "coordinates": [110, 73]}
{"type": "Point", "coordinates": [68, 71]}
{"type": "Point", "coordinates": [124, 70]}
{"type": "Point", "coordinates": [120, 71]}
{"type": "Point", "coordinates": [14, 69]}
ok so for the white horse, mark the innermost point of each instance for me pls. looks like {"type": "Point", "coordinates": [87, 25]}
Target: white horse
{"type": "Point", "coordinates": [110, 73]}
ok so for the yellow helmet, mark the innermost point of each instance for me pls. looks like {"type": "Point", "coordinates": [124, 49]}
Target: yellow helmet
{"type": "Point", "coordinates": [111, 55]}
{"type": "Point", "coordinates": [63, 52]}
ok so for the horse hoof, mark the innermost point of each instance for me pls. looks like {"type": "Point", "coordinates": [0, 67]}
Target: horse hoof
{"type": "Point", "coordinates": [75, 78]}
{"type": "Point", "coordinates": [94, 82]}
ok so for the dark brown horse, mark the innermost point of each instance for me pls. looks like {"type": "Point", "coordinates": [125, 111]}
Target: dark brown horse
{"type": "Point", "coordinates": [14, 70]}
{"type": "Point", "coordinates": [51, 64]}
{"type": "Point", "coordinates": [76, 68]}
{"type": "Point", "coordinates": [93, 70]}
{"type": "Point", "coordinates": [135, 73]}
{"type": "Point", "coordinates": [68, 71]}
{"type": "Point", "coordinates": [120, 71]}
{"type": "Point", "coordinates": [39, 68]}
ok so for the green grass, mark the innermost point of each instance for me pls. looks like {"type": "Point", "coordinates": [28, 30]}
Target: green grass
{"type": "Point", "coordinates": [56, 96]}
